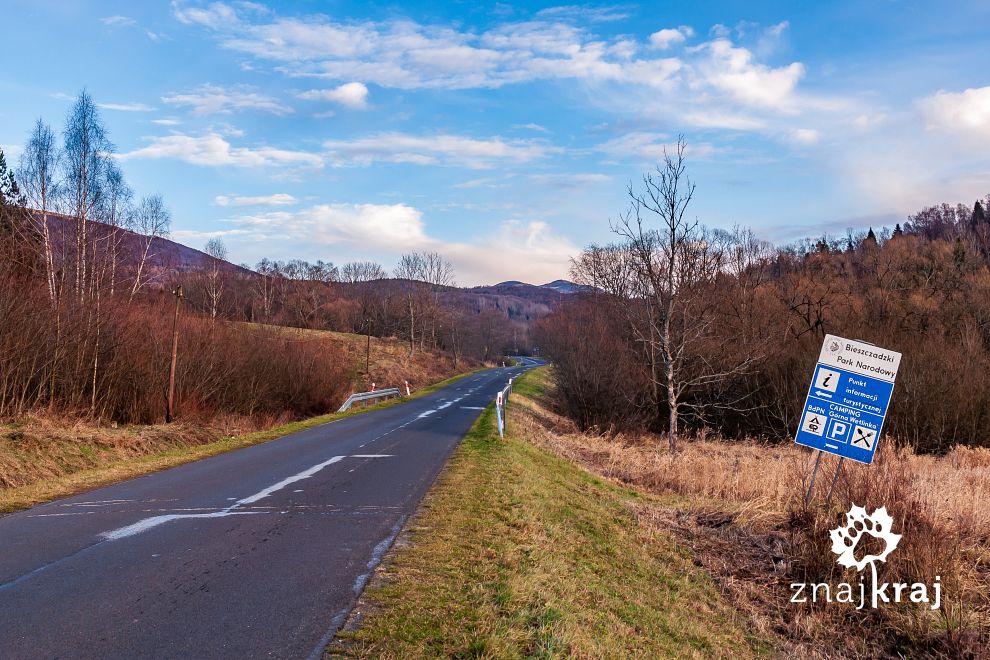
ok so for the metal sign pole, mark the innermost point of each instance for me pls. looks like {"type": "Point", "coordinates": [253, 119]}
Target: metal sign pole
{"type": "Point", "coordinates": [814, 473]}
{"type": "Point", "coordinates": [838, 470]}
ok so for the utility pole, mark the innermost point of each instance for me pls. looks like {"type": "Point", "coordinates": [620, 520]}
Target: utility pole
{"type": "Point", "coordinates": [170, 407]}
{"type": "Point", "coordinates": [367, 355]}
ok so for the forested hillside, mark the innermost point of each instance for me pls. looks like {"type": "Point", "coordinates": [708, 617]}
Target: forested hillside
{"type": "Point", "coordinates": [690, 328]}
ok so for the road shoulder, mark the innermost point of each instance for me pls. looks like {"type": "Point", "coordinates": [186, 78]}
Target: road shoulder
{"type": "Point", "coordinates": [116, 470]}
{"type": "Point", "coordinates": [516, 552]}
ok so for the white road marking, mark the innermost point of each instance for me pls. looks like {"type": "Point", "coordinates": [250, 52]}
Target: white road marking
{"type": "Point", "coordinates": [471, 408]}
{"type": "Point", "coordinates": [154, 521]}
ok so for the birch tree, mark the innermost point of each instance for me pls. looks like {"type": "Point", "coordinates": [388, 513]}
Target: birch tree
{"type": "Point", "coordinates": [38, 175]}
{"type": "Point", "coordinates": [151, 219]}
{"type": "Point", "coordinates": [215, 274]}
{"type": "Point", "coordinates": [87, 152]}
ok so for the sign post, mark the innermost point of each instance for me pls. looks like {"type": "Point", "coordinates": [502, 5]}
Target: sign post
{"type": "Point", "coordinates": [847, 400]}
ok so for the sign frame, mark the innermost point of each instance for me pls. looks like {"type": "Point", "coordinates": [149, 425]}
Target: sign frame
{"type": "Point", "coordinates": [848, 398]}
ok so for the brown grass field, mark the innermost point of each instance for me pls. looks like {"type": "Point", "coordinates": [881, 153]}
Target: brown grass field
{"type": "Point", "coordinates": [740, 508]}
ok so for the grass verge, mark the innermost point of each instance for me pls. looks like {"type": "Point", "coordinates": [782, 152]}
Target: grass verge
{"type": "Point", "coordinates": [519, 553]}
{"type": "Point", "coordinates": [111, 468]}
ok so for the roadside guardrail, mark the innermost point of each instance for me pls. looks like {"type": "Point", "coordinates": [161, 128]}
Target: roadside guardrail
{"type": "Point", "coordinates": [368, 396]}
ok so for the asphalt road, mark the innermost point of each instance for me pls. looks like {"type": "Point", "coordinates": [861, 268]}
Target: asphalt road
{"type": "Point", "coordinates": [259, 552]}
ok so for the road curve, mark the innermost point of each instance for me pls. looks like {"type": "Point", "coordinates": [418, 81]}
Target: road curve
{"type": "Point", "coordinates": [259, 552]}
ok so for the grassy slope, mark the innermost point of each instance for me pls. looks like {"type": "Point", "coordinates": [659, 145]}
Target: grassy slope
{"type": "Point", "coordinates": [109, 467]}
{"type": "Point", "coordinates": [518, 553]}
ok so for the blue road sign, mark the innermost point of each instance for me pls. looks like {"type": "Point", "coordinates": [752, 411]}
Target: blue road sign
{"type": "Point", "coordinates": [848, 398]}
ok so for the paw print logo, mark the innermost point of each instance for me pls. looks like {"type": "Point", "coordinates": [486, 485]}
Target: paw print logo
{"type": "Point", "coordinates": [858, 522]}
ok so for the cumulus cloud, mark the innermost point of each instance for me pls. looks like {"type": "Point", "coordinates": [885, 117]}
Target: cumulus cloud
{"type": "Point", "coordinates": [215, 99]}
{"type": "Point", "coordinates": [278, 199]}
{"type": "Point", "coordinates": [214, 150]}
{"type": "Point", "coordinates": [734, 70]}
{"type": "Point", "coordinates": [405, 54]}
{"type": "Point", "coordinates": [966, 113]}
{"type": "Point", "coordinates": [669, 37]}
{"type": "Point", "coordinates": [352, 95]}
{"type": "Point", "coordinates": [433, 149]}
{"type": "Point", "coordinates": [530, 249]}
{"type": "Point", "coordinates": [395, 227]}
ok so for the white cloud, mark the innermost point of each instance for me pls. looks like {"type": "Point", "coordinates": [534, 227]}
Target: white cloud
{"type": "Point", "coordinates": [532, 127]}
{"type": "Point", "coordinates": [732, 69]}
{"type": "Point", "coordinates": [215, 99]}
{"type": "Point", "coordinates": [966, 113]}
{"type": "Point", "coordinates": [408, 55]}
{"type": "Point", "coordinates": [213, 150]}
{"type": "Point", "coordinates": [669, 37]}
{"type": "Point", "coordinates": [126, 107]}
{"type": "Point", "coordinates": [385, 226]}
{"type": "Point", "coordinates": [351, 95]}
{"type": "Point", "coordinates": [11, 153]}
{"type": "Point", "coordinates": [118, 21]}
{"type": "Point", "coordinates": [166, 121]}
{"type": "Point", "coordinates": [805, 136]}
{"type": "Point", "coordinates": [528, 249]}
{"type": "Point", "coordinates": [278, 199]}
{"type": "Point", "coordinates": [650, 146]}
{"type": "Point", "coordinates": [717, 83]}
{"type": "Point", "coordinates": [584, 12]}
{"type": "Point", "coordinates": [217, 15]}
{"type": "Point", "coordinates": [570, 180]}
{"type": "Point", "coordinates": [433, 149]}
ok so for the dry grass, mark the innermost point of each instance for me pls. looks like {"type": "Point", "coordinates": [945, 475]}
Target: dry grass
{"type": "Point", "coordinates": [391, 362]}
{"type": "Point", "coordinates": [517, 553]}
{"type": "Point", "coordinates": [740, 506]}
{"type": "Point", "coordinates": [44, 456]}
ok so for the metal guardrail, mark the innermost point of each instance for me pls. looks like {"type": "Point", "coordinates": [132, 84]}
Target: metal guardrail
{"type": "Point", "coordinates": [501, 405]}
{"type": "Point", "coordinates": [368, 396]}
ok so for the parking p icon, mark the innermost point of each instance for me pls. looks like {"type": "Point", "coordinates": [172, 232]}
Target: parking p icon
{"type": "Point", "coordinates": [838, 431]}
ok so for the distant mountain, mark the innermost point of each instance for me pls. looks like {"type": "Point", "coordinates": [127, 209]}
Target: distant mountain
{"type": "Point", "coordinates": [164, 255]}
{"type": "Point", "coordinates": [564, 286]}
{"type": "Point", "coordinates": [521, 302]}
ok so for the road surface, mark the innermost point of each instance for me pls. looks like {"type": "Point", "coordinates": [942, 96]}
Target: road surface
{"type": "Point", "coordinates": [259, 552]}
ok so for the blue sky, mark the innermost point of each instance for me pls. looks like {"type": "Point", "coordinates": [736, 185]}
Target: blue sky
{"type": "Point", "coordinates": [504, 134]}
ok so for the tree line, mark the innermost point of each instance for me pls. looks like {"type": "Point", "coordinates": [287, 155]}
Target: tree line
{"type": "Point", "coordinates": [86, 284]}
{"type": "Point", "coordinates": [690, 328]}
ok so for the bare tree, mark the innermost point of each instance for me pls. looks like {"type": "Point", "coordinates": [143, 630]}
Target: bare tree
{"type": "Point", "coordinates": [410, 268]}
{"type": "Point", "coordinates": [674, 268]}
{"type": "Point", "coordinates": [215, 274]}
{"type": "Point", "coordinates": [151, 219]}
{"type": "Point", "coordinates": [437, 273]}
{"type": "Point", "coordinates": [38, 170]}
{"type": "Point", "coordinates": [361, 271]}
{"type": "Point", "coordinates": [267, 285]}
{"type": "Point", "coordinates": [87, 152]}
{"type": "Point", "coordinates": [115, 211]}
